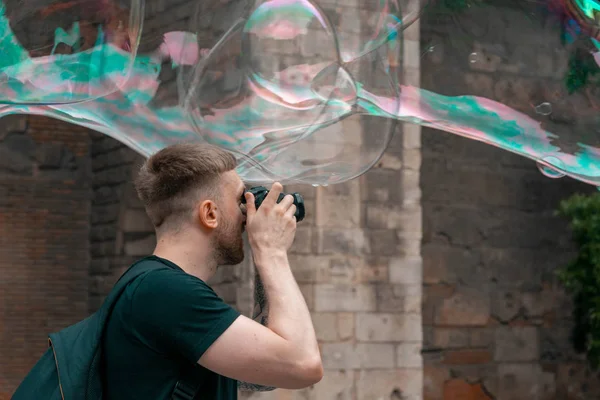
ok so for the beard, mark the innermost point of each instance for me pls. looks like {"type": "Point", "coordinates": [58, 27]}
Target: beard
{"type": "Point", "coordinates": [229, 245]}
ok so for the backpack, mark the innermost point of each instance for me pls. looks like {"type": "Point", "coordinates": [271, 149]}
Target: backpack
{"type": "Point", "coordinates": [70, 369]}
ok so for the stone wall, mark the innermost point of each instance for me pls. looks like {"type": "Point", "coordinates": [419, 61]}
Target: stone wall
{"type": "Point", "coordinates": [44, 228]}
{"type": "Point", "coordinates": [496, 321]}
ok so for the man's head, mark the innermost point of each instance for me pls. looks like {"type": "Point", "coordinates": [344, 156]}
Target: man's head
{"type": "Point", "coordinates": [194, 187]}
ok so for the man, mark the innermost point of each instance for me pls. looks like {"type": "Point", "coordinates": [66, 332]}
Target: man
{"type": "Point", "coordinates": [170, 321]}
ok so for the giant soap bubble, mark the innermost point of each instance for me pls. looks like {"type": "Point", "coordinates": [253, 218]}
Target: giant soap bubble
{"type": "Point", "coordinates": [277, 82]}
{"type": "Point", "coordinates": [309, 91]}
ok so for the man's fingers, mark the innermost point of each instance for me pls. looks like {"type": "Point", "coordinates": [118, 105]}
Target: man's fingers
{"type": "Point", "coordinates": [273, 195]}
{"type": "Point", "coordinates": [291, 211]}
{"type": "Point", "coordinates": [250, 205]}
{"type": "Point", "coordinates": [286, 202]}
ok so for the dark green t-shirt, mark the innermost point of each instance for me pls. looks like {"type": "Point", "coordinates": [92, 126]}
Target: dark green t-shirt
{"type": "Point", "coordinates": [159, 328]}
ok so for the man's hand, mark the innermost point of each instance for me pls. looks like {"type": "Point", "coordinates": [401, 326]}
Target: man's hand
{"type": "Point", "coordinates": [271, 228]}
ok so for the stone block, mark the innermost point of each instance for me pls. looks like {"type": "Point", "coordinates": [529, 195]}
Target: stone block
{"type": "Point", "coordinates": [303, 241]}
{"type": "Point", "coordinates": [389, 161]}
{"type": "Point", "coordinates": [357, 356]}
{"type": "Point", "coordinates": [408, 355]}
{"type": "Point", "coordinates": [434, 378]}
{"type": "Point", "coordinates": [345, 241]}
{"type": "Point", "coordinates": [308, 292]}
{"type": "Point", "coordinates": [330, 297]}
{"type": "Point", "coordinates": [399, 298]}
{"type": "Point", "coordinates": [140, 247]}
{"type": "Point", "coordinates": [377, 327]}
{"type": "Point", "coordinates": [445, 264]}
{"type": "Point", "coordinates": [505, 304]}
{"type": "Point", "coordinates": [345, 325]}
{"type": "Point", "coordinates": [406, 270]}
{"type": "Point", "coordinates": [338, 212]}
{"type": "Point", "coordinates": [463, 390]}
{"type": "Point", "coordinates": [384, 242]}
{"type": "Point", "coordinates": [411, 76]}
{"type": "Point", "coordinates": [466, 307]}
{"type": "Point", "coordinates": [135, 220]}
{"type": "Point", "coordinates": [525, 381]}
{"type": "Point", "coordinates": [401, 383]}
{"type": "Point", "coordinates": [411, 136]}
{"type": "Point", "coordinates": [576, 380]}
{"type": "Point", "coordinates": [393, 216]}
{"type": "Point", "coordinates": [515, 343]}
{"type": "Point", "coordinates": [481, 337]}
{"type": "Point", "coordinates": [325, 326]}
{"type": "Point", "coordinates": [450, 338]}
{"type": "Point", "coordinates": [379, 188]}
{"type": "Point", "coordinates": [309, 268]}
{"type": "Point", "coordinates": [467, 356]}
{"type": "Point", "coordinates": [354, 270]}
{"type": "Point", "coordinates": [338, 385]}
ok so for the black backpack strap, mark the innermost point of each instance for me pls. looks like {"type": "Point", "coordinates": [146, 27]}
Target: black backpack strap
{"type": "Point", "coordinates": [188, 386]}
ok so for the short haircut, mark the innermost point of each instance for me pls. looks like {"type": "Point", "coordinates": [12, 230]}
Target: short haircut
{"type": "Point", "coordinates": [171, 181]}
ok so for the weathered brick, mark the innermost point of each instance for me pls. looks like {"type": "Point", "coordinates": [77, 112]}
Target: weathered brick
{"type": "Point", "coordinates": [136, 221]}
{"type": "Point", "coordinates": [140, 247]}
{"type": "Point", "coordinates": [345, 325]}
{"type": "Point", "coordinates": [388, 327]}
{"type": "Point", "coordinates": [516, 344]}
{"type": "Point", "coordinates": [393, 216]}
{"type": "Point", "coordinates": [309, 268]}
{"type": "Point", "coordinates": [401, 383]}
{"type": "Point", "coordinates": [325, 326]}
{"type": "Point", "coordinates": [449, 338]}
{"type": "Point", "coordinates": [407, 270]}
{"type": "Point", "coordinates": [347, 241]}
{"type": "Point", "coordinates": [467, 356]}
{"type": "Point", "coordinates": [358, 356]}
{"type": "Point", "coordinates": [302, 241]}
{"type": "Point", "coordinates": [521, 381]}
{"type": "Point", "coordinates": [505, 305]}
{"type": "Point", "coordinates": [467, 307]}
{"type": "Point", "coordinates": [399, 298]}
{"type": "Point", "coordinates": [460, 389]}
{"type": "Point", "coordinates": [339, 211]}
{"type": "Point", "coordinates": [408, 355]}
{"type": "Point", "coordinates": [330, 297]}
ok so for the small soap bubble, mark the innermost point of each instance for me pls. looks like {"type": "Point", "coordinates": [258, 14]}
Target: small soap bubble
{"type": "Point", "coordinates": [544, 108]}
{"type": "Point", "coordinates": [549, 171]}
{"type": "Point", "coordinates": [473, 58]}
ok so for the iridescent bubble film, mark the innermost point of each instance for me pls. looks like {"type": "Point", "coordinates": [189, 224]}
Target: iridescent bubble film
{"type": "Point", "coordinates": [311, 91]}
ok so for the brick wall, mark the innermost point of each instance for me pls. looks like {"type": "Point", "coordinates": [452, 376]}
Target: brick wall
{"type": "Point", "coordinates": [496, 322]}
{"type": "Point", "coordinates": [44, 228]}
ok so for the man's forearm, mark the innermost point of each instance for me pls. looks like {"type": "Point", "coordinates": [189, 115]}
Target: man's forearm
{"type": "Point", "coordinates": [260, 315]}
{"type": "Point", "coordinates": [289, 316]}
{"type": "Point", "coordinates": [261, 303]}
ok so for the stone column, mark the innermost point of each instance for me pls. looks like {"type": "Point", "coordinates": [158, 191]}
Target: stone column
{"type": "Point", "coordinates": [358, 262]}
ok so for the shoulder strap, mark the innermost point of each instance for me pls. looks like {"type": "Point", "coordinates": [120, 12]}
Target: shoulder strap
{"type": "Point", "coordinates": [82, 375]}
{"type": "Point", "coordinates": [186, 388]}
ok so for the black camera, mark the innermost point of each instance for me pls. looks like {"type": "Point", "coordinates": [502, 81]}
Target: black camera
{"type": "Point", "coordinates": [261, 192]}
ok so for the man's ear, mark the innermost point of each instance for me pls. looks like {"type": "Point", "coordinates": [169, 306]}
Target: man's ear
{"type": "Point", "coordinates": [208, 214]}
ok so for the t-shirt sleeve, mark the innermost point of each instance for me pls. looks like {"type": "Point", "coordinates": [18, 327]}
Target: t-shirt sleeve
{"type": "Point", "coordinates": [177, 312]}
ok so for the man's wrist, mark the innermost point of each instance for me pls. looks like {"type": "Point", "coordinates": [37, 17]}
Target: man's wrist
{"type": "Point", "coordinates": [265, 258]}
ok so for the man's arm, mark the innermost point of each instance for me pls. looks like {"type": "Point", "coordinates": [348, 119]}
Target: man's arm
{"type": "Point", "coordinates": [260, 315]}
